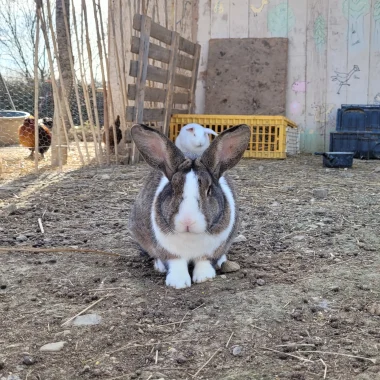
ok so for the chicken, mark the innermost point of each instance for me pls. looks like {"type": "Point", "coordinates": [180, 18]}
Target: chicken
{"type": "Point", "coordinates": [47, 122]}
{"type": "Point", "coordinates": [27, 137]}
{"type": "Point", "coordinates": [119, 134]}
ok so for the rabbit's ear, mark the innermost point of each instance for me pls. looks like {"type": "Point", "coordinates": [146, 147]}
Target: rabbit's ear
{"type": "Point", "coordinates": [210, 132]}
{"type": "Point", "coordinates": [158, 151]}
{"type": "Point", "coordinates": [227, 149]}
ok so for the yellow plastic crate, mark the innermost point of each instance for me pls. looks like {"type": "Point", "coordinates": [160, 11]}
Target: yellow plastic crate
{"type": "Point", "coordinates": [268, 137]}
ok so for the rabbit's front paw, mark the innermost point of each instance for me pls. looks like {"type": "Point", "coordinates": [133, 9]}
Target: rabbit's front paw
{"type": "Point", "coordinates": [159, 266]}
{"type": "Point", "coordinates": [203, 271]}
{"type": "Point", "coordinates": [178, 276]}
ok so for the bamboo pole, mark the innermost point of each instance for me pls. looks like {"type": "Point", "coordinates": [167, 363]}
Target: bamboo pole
{"type": "Point", "coordinates": [84, 85]}
{"type": "Point", "coordinates": [36, 83]}
{"type": "Point", "coordinates": [64, 92]}
{"type": "Point", "coordinates": [111, 19]}
{"type": "Point", "coordinates": [75, 81]}
{"type": "Point", "coordinates": [58, 104]}
{"type": "Point", "coordinates": [110, 98]}
{"type": "Point", "coordinates": [105, 101]}
{"type": "Point", "coordinates": [89, 54]}
{"type": "Point", "coordinates": [41, 16]}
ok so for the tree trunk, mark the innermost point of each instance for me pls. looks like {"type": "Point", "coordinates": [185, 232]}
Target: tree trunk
{"type": "Point", "coordinates": [64, 49]}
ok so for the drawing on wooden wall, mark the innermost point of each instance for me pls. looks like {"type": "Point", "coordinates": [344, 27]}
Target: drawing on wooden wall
{"type": "Point", "coordinates": [281, 19]}
{"type": "Point", "coordinates": [322, 111]}
{"type": "Point", "coordinates": [218, 7]}
{"type": "Point", "coordinates": [295, 108]}
{"type": "Point", "coordinates": [343, 78]}
{"type": "Point", "coordinates": [299, 86]}
{"type": "Point", "coordinates": [376, 99]}
{"type": "Point", "coordinates": [354, 11]}
{"type": "Point", "coordinates": [258, 10]}
{"type": "Point", "coordinates": [320, 33]}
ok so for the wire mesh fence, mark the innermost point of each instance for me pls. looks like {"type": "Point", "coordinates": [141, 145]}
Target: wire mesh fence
{"type": "Point", "coordinates": [63, 92]}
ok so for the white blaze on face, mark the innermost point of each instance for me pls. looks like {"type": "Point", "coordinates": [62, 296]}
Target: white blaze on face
{"type": "Point", "coordinates": [190, 217]}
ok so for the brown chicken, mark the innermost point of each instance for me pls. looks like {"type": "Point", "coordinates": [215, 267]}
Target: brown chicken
{"type": "Point", "coordinates": [119, 134]}
{"type": "Point", "coordinates": [26, 136]}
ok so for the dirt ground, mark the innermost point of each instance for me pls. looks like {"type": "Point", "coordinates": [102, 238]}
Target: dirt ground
{"type": "Point", "coordinates": [304, 305]}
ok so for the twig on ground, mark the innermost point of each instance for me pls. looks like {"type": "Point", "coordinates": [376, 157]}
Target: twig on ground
{"type": "Point", "coordinates": [229, 339]}
{"type": "Point", "coordinates": [84, 310]}
{"type": "Point", "coordinates": [341, 354]}
{"type": "Point", "coordinates": [286, 354]}
{"type": "Point", "coordinates": [62, 249]}
{"type": "Point", "coordinates": [325, 371]}
{"type": "Point", "coordinates": [41, 226]}
{"type": "Point", "coordinates": [204, 365]}
{"type": "Point", "coordinates": [259, 328]}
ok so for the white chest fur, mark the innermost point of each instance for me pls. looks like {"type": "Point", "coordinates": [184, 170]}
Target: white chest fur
{"type": "Point", "coordinates": [189, 246]}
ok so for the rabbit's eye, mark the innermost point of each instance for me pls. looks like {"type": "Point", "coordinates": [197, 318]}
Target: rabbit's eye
{"type": "Point", "coordinates": [209, 191]}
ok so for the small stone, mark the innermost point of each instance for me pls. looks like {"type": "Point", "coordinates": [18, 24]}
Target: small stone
{"type": "Point", "coordinates": [335, 289]}
{"type": "Point", "coordinates": [181, 359]}
{"type": "Point", "coordinates": [236, 351]}
{"type": "Point", "coordinates": [299, 237]}
{"type": "Point", "coordinates": [374, 309]}
{"type": "Point", "coordinates": [105, 176]}
{"type": "Point", "coordinates": [275, 204]}
{"type": "Point", "coordinates": [230, 266]}
{"type": "Point", "coordinates": [11, 377]}
{"type": "Point", "coordinates": [260, 282]}
{"type": "Point", "coordinates": [223, 276]}
{"type": "Point", "coordinates": [86, 368]}
{"type": "Point", "coordinates": [261, 168]}
{"type": "Point", "coordinates": [28, 360]}
{"type": "Point", "coordinates": [21, 238]}
{"type": "Point", "coordinates": [87, 320]}
{"type": "Point", "coordinates": [320, 193]}
{"type": "Point", "coordinates": [240, 239]}
{"type": "Point", "coordinates": [377, 170]}
{"type": "Point", "coordinates": [52, 347]}
{"type": "Point", "coordinates": [10, 209]}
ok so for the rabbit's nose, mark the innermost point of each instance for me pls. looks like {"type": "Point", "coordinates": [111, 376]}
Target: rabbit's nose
{"type": "Point", "coordinates": [187, 223]}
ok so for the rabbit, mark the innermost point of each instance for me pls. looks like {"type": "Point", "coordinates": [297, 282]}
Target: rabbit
{"type": "Point", "coordinates": [193, 139]}
{"type": "Point", "coordinates": [186, 211]}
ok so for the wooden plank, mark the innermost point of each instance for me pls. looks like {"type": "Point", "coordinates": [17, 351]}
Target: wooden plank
{"type": "Point", "coordinates": [318, 110]}
{"type": "Point", "coordinates": [239, 15]}
{"type": "Point", "coordinates": [203, 21]}
{"type": "Point", "coordinates": [151, 114]}
{"type": "Point", "coordinates": [194, 79]}
{"type": "Point", "coordinates": [296, 78]}
{"type": "Point", "coordinates": [157, 74]}
{"type": "Point", "coordinates": [171, 78]}
{"type": "Point", "coordinates": [164, 35]}
{"type": "Point", "coordinates": [142, 67]}
{"type": "Point", "coordinates": [161, 54]}
{"type": "Point", "coordinates": [258, 19]}
{"type": "Point", "coordinates": [358, 53]}
{"type": "Point", "coordinates": [151, 94]}
{"type": "Point", "coordinates": [220, 26]}
{"type": "Point", "coordinates": [158, 95]}
{"type": "Point", "coordinates": [374, 60]}
{"type": "Point", "coordinates": [336, 64]}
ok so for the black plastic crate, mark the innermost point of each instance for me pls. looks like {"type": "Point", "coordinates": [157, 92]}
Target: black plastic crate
{"type": "Point", "coordinates": [358, 118]}
{"type": "Point", "coordinates": [365, 145]}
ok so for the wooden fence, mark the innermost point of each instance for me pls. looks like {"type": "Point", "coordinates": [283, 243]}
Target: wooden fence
{"type": "Point", "coordinates": [172, 86]}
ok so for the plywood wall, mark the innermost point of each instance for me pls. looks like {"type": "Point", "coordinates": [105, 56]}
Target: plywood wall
{"type": "Point", "coordinates": [334, 53]}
